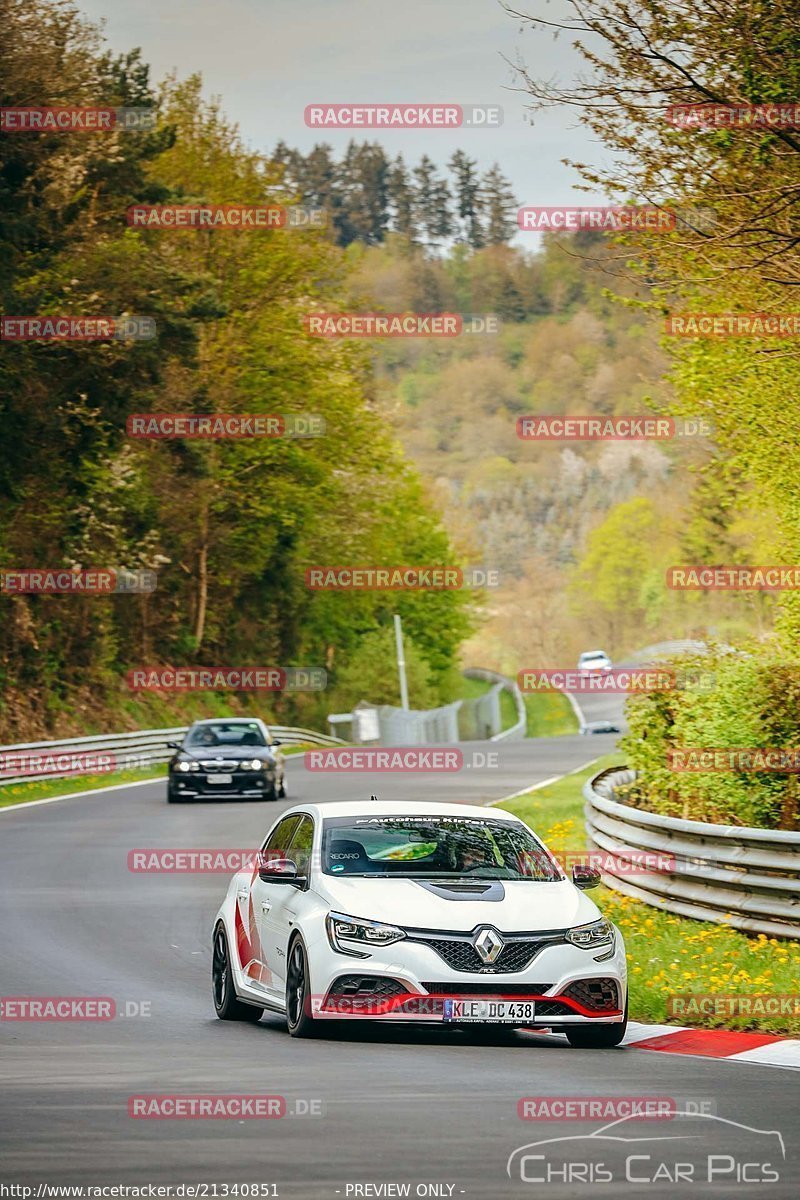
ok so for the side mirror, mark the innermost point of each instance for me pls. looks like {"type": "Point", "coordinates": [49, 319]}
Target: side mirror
{"type": "Point", "coordinates": [585, 878]}
{"type": "Point", "coordinates": [273, 869]}
{"type": "Point", "coordinates": [174, 745]}
{"type": "Point", "coordinates": [275, 742]}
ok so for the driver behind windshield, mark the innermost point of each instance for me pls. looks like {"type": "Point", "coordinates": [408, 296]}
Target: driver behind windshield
{"type": "Point", "coordinates": [473, 855]}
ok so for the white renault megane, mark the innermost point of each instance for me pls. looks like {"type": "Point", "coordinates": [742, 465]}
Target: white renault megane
{"type": "Point", "coordinates": [436, 912]}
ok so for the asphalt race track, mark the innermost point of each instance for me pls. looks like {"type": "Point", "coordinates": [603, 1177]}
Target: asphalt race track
{"type": "Point", "coordinates": [423, 1107]}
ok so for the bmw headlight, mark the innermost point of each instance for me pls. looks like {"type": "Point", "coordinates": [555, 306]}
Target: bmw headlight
{"type": "Point", "coordinates": [188, 764]}
{"type": "Point", "coordinates": [252, 764]}
{"type": "Point", "coordinates": [592, 936]}
{"type": "Point", "coordinates": [354, 935]}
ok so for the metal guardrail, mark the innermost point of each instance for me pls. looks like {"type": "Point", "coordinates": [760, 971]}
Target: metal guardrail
{"type": "Point", "coordinates": [105, 753]}
{"type": "Point", "coordinates": [747, 878]}
{"type": "Point", "coordinates": [518, 730]}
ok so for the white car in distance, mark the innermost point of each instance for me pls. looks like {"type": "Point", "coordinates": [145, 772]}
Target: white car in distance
{"type": "Point", "coordinates": [594, 662]}
{"type": "Point", "coordinates": [416, 911]}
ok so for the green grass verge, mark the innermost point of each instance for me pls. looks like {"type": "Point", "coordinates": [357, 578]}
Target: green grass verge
{"type": "Point", "coordinates": [670, 955]}
{"type": "Point", "coordinates": [471, 689]}
{"type": "Point", "coordinates": [45, 789]}
{"type": "Point", "coordinates": [550, 714]}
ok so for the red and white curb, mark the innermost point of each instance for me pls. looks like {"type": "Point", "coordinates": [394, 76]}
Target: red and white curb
{"type": "Point", "coordinates": [765, 1049]}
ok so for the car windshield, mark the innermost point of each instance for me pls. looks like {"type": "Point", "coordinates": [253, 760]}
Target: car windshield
{"type": "Point", "coordinates": [440, 847]}
{"type": "Point", "coordinates": [226, 733]}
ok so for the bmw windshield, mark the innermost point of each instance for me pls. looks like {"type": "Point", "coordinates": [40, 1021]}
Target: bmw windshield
{"type": "Point", "coordinates": [443, 847]}
{"type": "Point", "coordinates": [225, 733]}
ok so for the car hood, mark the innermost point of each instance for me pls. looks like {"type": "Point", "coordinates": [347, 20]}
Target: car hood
{"type": "Point", "coordinates": [514, 907]}
{"type": "Point", "coordinates": [231, 752]}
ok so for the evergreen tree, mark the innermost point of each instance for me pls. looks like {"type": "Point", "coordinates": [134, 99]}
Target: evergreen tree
{"type": "Point", "coordinates": [431, 202]}
{"type": "Point", "coordinates": [424, 183]}
{"type": "Point", "coordinates": [401, 199]}
{"type": "Point", "coordinates": [467, 199]}
{"type": "Point", "coordinates": [363, 181]}
{"type": "Point", "coordinates": [499, 204]}
{"type": "Point", "coordinates": [441, 228]}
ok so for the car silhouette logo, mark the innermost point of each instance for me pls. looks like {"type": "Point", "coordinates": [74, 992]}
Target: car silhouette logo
{"type": "Point", "coordinates": [488, 944]}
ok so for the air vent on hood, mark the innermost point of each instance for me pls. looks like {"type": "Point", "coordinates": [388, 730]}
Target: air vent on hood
{"type": "Point", "coordinates": [455, 889]}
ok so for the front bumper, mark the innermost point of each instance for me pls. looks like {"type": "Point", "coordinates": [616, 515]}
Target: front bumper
{"type": "Point", "coordinates": [410, 981]}
{"type": "Point", "coordinates": [197, 784]}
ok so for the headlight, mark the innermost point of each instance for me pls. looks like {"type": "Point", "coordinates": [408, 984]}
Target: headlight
{"type": "Point", "coordinates": [188, 765]}
{"type": "Point", "coordinates": [353, 935]}
{"type": "Point", "coordinates": [252, 764]}
{"type": "Point", "coordinates": [589, 937]}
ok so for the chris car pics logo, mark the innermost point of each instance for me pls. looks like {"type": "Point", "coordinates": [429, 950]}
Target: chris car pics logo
{"type": "Point", "coordinates": [700, 1149]}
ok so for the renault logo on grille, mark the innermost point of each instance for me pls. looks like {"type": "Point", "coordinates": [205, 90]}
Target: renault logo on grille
{"type": "Point", "coordinates": [488, 945]}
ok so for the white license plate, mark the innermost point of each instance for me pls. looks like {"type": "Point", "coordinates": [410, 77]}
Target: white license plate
{"type": "Point", "coordinates": [489, 1010]}
{"type": "Point", "coordinates": [220, 779]}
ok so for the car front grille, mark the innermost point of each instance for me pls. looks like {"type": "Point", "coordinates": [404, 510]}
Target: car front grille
{"type": "Point", "coordinates": [213, 764]}
{"type": "Point", "coordinates": [366, 985]}
{"type": "Point", "coordinates": [598, 994]}
{"type": "Point", "coordinates": [458, 952]}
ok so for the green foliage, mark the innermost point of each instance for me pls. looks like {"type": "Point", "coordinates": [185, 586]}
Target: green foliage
{"type": "Point", "coordinates": [746, 700]}
{"type": "Point", "coordinates": [230, 526]}
{"type": "Point", "coordinates": [743, 256]}
{"type": "Point", "coordinates": [370, 673]}
{"type": "Point", "coordinates": [618, 585]}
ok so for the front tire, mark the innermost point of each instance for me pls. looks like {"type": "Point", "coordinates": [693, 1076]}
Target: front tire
{"type": "Point", "coordinates": [226, 1004]}
{"type": "Point", "coordinates": [597, 1037]}
{"type": "Point", "coordinates": [299, 1021]}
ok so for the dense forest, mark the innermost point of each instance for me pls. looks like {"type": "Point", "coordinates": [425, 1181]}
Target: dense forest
{"type": "Point", "coordinates": [368, 196]}
{"type": "Point", "coordinates": [230, 527]}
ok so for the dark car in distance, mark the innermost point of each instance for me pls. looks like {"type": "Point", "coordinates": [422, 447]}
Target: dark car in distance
{"type": "Point", "coordinates": [231, 758]}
